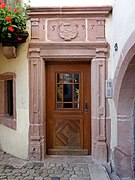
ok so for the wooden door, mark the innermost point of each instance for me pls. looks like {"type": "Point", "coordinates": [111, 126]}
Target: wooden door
{"type": "Point", "coordinates": [68, 109]}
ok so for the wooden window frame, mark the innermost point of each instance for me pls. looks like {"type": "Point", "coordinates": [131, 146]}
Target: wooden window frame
{"type": "Point", "coordinates": [9, 121]}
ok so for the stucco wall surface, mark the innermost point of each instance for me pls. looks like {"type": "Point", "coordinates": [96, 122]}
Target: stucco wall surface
{"type": "Point", "coordinates": [69, 3]}
{"type": "Point", "coordinates": [15, 142]}
{"type": "Point", "coordinates": [119, 27]}
{"type": "Point", "coordinates": [123, 26]}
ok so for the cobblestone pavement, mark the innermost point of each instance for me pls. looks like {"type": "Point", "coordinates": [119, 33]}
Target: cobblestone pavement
{"type": "Point", "coordinates": [53, 168]}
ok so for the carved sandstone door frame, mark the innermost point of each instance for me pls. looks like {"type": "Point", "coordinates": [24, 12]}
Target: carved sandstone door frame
{"type": "Point", "coordinates": [42, 50]}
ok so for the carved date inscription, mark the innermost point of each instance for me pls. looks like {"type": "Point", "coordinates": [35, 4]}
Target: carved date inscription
{"type": "Point", "coordinates": [66, 30]}
{"type": "Point", "coordinates": [92, 29]}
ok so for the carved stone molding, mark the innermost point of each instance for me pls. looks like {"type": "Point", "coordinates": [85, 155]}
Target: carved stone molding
{"type": "Point", "coordinates": [35, 29]}
{"type": "Point", "coordinates": [63, 29]}
{"type": "Point", "coordinates": [36, 127]}
{"type": "Point", "coordinates": [71, 29]}
{"type": "Point", "coordinates": [97, 58]}
{"type": "Point", "coordinates": [69, 24]}
{"type": "Point", "coordinates": [68, 35]}
{"type": "Point", "coordinates": [62, 12]}
{"type": "Point", "coordinates": [100, 29]}
{"type": "Point", "coordinates": [99, 105]}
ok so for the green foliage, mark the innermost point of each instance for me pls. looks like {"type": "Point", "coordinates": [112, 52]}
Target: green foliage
{"type": "Point", "coordinates": [13, 18]}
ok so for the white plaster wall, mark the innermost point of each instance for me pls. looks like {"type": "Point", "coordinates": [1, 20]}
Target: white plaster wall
{"type": "Point", "coordinates": [123, 25]}
{"type": "Point", "coordinates": [118, 29]}
{"type": "Point", "coordinates": [113, 115]}
{"type": "Point", "coordinates": [69, 2]}
{"type": "Point", "coordinates": [15, 142]}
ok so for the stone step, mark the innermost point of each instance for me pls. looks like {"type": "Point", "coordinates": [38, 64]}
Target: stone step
{"type": "Point", "coordinates": [98, 172]}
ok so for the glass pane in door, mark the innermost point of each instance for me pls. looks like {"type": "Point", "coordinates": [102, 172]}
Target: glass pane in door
{"type": "Point", "coordinates": [67, 90]}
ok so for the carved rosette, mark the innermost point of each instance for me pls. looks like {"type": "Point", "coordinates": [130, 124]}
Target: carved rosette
{"type": "Point", "coordinates": [68, 31]}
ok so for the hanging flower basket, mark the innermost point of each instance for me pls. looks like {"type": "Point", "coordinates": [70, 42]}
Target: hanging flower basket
{"type": "Point", "coordinates": [9, 46]}
{"type": "Point", "coordinates": [13, 18]}
{"type": "Point", "coordinates": [16, 39]}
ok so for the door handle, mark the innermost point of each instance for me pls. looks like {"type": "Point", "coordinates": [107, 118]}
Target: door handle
{"type": "Point", "coordinates": [86, 106]}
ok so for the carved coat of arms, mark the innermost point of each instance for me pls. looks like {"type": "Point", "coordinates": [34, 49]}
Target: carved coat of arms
{"type": "Point", "coordinates": [68, 31]}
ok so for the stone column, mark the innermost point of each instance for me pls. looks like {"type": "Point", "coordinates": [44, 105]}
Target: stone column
{"type": "Point", "coordinates": [98, 72]}
{"type": "Point", "coordinates": [36, 101]}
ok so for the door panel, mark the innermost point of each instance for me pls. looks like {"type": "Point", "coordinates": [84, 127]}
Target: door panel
{"type": "Point", "coordinates": [67, 132]}
{"type": "Point", "coordinates": [68, 108]}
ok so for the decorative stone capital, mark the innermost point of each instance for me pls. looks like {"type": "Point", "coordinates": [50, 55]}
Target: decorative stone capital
{"type": "Point", "coordinates": [101, 52]}
{"type": "Point", "coordinates": [34, 52]}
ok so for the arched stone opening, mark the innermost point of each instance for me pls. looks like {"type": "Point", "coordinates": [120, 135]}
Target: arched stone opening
{"type": "Point", "coordinates": [124, 94]}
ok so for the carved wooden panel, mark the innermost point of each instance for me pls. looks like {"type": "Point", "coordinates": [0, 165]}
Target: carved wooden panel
{"type": "Point", "coordinates": [67, 133]}
{"type": "Point", "coordinates": [66, 30]}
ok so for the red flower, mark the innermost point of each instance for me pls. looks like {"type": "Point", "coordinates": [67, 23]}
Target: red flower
{"type": "Point", "coordinates": [19, 39]}
{"type": "Point", "coordinates": [0, 1]}
{"type": "Point", "coordinates": [10, 7]}
{"type": "Point", "coordinates": [15, 10]}
{"type": "Point", "coordinates": [3, 5]}
{"type": "Point", "coordinates": [8, 18]}
{"type": "Point", "coordinates": [10, 28]}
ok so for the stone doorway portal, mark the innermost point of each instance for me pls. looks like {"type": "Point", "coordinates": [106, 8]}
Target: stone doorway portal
{"type": "Point", "coordinates": [74, 34]}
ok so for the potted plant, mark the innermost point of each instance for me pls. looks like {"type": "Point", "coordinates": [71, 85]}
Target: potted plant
{"type": "Point", "coordinates": [13, 18]}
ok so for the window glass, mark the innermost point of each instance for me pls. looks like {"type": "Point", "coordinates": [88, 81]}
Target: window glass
{"type": "Point", "coordinates": [9, 97]}
{"type": "Point", "coordinates": [67, 90]}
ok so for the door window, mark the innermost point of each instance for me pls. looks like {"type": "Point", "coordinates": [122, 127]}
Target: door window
{"type": "Point", "coordinates": [68, 90]}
